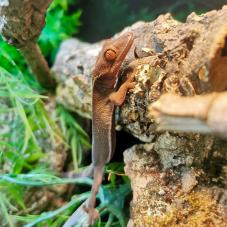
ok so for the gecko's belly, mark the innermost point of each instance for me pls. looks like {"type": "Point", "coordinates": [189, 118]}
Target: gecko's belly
{"type": "Point", "coordinates": [103, 135]}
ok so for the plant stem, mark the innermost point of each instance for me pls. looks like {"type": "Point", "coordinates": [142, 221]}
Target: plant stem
{"type": "Point", "coordinates": [38, 64]}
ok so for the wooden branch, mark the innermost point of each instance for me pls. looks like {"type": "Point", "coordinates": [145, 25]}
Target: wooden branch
{"type": "Point", "coordinates": [38, 64]}
{"type": "Point", "coordinates": [203, 114]}
{"type": "Point", "coordinates": [21, 23]}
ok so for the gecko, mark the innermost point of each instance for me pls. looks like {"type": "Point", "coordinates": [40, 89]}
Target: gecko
{"type": "Point", "coordinates": [105, 97]}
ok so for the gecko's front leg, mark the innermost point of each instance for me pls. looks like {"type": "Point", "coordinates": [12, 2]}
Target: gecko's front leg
{"type": "Point", "coordinates": [118, 97]}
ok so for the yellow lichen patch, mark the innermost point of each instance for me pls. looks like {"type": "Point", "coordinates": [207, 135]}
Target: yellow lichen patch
{"type": "Point", "coordinates": [203, 74]}
{"type": "Point", "coordinates": [190, 210]}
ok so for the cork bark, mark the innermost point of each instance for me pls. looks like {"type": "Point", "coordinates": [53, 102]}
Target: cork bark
{"type": "Point", "coordinates": [178, 179]}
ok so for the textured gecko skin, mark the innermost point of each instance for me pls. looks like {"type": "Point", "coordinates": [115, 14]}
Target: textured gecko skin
{"type": "Point", "coordinates": [104, 99]}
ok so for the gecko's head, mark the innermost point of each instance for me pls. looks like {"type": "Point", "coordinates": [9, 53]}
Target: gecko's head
{"type": "Point", "coordinates": [113, 53]}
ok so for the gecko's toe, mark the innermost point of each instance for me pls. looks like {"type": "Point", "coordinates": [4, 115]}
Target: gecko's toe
{"type": "Point", "coordinates": [131, 85]}
{"type": "Point", "coordinates": [93, 215]}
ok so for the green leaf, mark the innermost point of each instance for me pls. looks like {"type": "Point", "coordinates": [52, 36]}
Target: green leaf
{"type": "Point", "coordinates": [51, 214]}
{"type": "Point", "coordinates": [59, 26]}
{"type": "Point", "coordinates": [75, 136]}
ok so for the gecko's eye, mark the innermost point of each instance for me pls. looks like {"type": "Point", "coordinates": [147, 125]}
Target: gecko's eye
{"type": "Point", "coordinates": [110, 55]}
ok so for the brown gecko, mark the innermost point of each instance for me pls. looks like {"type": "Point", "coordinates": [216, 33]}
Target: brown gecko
{"type": "Point", "coordinates": [104, 99]}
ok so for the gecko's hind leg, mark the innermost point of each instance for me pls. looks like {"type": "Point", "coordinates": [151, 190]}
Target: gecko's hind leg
{"type": "Point", "coordinates": [90, 208]}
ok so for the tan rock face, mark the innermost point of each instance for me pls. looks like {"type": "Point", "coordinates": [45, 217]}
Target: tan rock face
{"type": "Point", "coordinates": [181, 195]}
{"type": "Point", "coordinates": [73, 68]}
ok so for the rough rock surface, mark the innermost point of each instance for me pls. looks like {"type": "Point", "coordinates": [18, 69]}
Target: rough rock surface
{"type": "Point", "coordinates": [73, 68]}
{"type": "Point", "coordinates": [173, 188]}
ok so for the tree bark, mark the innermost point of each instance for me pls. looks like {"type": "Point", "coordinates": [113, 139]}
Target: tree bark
{"type": "Point", "coordinates": [38, 64]}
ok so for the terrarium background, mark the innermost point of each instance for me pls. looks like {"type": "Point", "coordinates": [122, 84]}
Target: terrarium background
{"type": "Point", "coordinates": [38, 138]}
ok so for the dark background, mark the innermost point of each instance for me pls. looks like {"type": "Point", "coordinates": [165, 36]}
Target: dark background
{"type": "Point", "coordinates": [103, 18]}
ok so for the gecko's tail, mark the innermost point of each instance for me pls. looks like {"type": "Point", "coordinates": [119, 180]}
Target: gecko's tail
{"type": "Point", "coordinates": [79, 217]}
{"type": "Point", "coordinates": [87, 172]}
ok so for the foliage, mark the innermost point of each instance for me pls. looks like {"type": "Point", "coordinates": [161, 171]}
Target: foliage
{"type": "Point", "coordinates": [19, 62]}
{"type": "Point", "coordinates": [75, 136]}
{"type": "Point", "coordinates": [26, 127]}
{"type": "Point", "coordinates": [60, 25]}
{"type": "Point", "coordinates": [19, 107]}
{"type": "Point", "coordinates": [111, 200]}
{"type": "Point", "coordinates": [23, 120]}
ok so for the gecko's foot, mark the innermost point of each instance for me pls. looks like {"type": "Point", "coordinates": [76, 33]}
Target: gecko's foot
{"type": "Point", "coordinates": [131, 85]}
{"type": "Point", "coordinates": [93, 214]}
